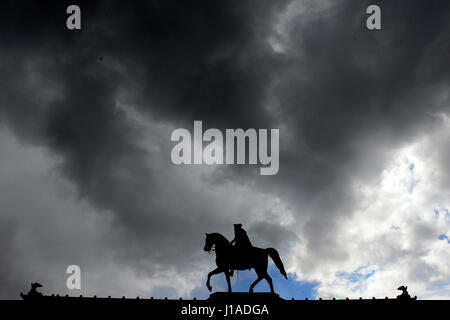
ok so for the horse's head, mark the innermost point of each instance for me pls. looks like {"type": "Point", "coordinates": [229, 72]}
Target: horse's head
{"type": "Point", "coordinates": [209, 242]}
{"type": "Point", "coordinates": [215, 241]}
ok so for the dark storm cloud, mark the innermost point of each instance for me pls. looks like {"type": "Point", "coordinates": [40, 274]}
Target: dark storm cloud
{"type": "Point", "coordinates": [350, 95]}
{"type": "Point", "coordinates": [272, 235]}
{"type": "Point", "coordinates": [174, 61]}
{"type": "Point", "coordinates": [343, 94]}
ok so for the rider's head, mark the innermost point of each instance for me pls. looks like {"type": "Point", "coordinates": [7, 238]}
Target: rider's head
{"type": "Point", "coordinates": [237, 227]}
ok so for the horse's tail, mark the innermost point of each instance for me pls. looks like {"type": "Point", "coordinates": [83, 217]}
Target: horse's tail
{"type": "Point", "coordinates": [276, 259]}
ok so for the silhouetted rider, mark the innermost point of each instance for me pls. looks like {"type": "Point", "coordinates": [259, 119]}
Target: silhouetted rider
{"type": "Point", "coordinates": [241, 240]}
{"type": "Point", "coordinates": [241, 244]}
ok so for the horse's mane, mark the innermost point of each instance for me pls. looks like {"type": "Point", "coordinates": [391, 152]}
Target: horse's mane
{"type": "Point", "coordinates": [219, 236]}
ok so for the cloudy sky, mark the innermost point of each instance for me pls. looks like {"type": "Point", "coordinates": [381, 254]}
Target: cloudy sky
{"type": "Point", "coordinates": [360, 204]}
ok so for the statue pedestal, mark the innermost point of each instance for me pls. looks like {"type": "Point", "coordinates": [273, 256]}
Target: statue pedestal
{"type": "Point", "coordinates": [245, 297]}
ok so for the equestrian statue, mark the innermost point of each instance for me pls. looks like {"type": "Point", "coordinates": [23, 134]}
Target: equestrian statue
{"type": "Point", "coordinates": [240, 254]}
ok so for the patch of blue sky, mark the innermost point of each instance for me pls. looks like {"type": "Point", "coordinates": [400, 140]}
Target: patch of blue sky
{"type": "Point", "coordinates": [444, 237]}
{"type": "Point", "coordinates": [436, 212]}
{"type": "Point", "coordinates": [445, 211]}
{"type": "Point", "coordinates": [360, 274]}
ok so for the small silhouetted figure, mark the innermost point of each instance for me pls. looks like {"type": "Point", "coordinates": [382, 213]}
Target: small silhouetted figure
{"type": "Point", "coordinates": [405, 295]}
{"type": "Point", "coordinates": [33, 293]}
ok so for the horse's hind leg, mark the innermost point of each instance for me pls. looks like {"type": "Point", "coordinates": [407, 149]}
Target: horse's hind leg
{"type": "Point", "coordinates": [227, 276]}
{"type": "Point", "coordinates": [269, 280]}
{"type": "Point", "coordinates": [252, 286]}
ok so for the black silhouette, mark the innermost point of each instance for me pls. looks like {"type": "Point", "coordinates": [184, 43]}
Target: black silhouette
{"type": "Point", "coordinates": [227, 259]}
{"type": "Point", "coordinates": [33, 293]}
{"type": "Point", "coordinates": [241, 243]}
{"type": "Point", "coordinates": [241, 240]}
{"type": "Point", "coordinates": [405, 295]}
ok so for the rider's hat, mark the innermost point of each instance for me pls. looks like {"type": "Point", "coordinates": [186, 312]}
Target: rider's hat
{"type": "Point", "coordinates": [237, 225]}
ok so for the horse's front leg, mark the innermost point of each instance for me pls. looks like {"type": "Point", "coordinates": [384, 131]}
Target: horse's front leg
{"type": "Point", "coordinates": [215, 271]}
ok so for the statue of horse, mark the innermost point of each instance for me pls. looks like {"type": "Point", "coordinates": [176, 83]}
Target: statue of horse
{"type": "Point", "coordinates": [227, 259]}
